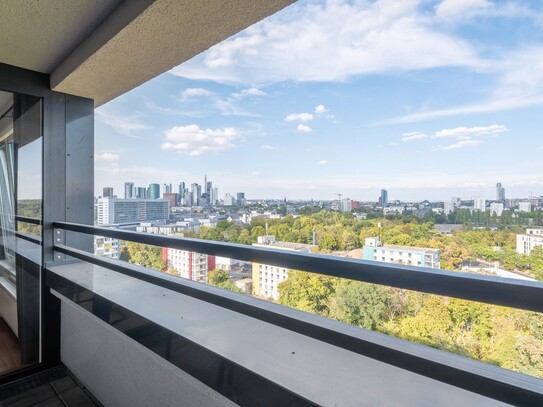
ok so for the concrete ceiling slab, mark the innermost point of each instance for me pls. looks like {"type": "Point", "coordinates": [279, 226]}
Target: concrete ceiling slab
{"type": "Point", "coordinates": [38, 34]}
{"type": "Point", "coordinates": [138, 42]}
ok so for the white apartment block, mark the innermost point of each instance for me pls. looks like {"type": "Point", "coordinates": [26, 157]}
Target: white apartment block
{"type": "Point", "coordinates": [525, 206]}
{"type": "Point", "coordinates": [114, 211]}
{"type": "Point", "coordinates": [189, 265]}
{"type": "Point", "coordinates": [526, 242]}
{"type": "Point", "coordinates": [448, 207]}
{"type": "Point", "coordinates": [225, 263]}
{"type": "Point", "coordinates": [266, 278]}
{"type": "Point", "coordinates": [496, 208]}
{"type": "Point", "coordinates": [479, 204]}
{"type": "Point", "coordinates": [107, 247]}
{"type": "Point", "coordinates": [410, 256]}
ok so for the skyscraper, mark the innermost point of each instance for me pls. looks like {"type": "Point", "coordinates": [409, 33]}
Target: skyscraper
{"type": "Point", "coordinates": [500, 192]}
{"type": "Point", "coordinates": [108, 192]}
{"type": "Point", "coordinates": [168, 188]}
{"type": "Point", "coordinates": [182, 193]}
{"type": "Point", "coordinates": [240, 198]}
{"type": "Point", "coordinates": [128, 190]}
{"type": "Point", "coordinates": [154, 191]}
{"type": "Point", "coordinates": [196, 194]}
{"type": "Point", "coordinates": [384, 197]}
{"type": "Point", "coordinates": [141, 192]}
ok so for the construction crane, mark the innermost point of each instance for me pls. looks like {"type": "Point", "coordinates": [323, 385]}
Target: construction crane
{"type": "Point", "coordinates": [339, 195]}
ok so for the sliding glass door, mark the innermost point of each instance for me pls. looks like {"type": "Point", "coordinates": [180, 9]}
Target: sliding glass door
{"type": "Point", "coordinates": [21, 127]}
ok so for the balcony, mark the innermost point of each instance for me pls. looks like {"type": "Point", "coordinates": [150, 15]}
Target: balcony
{"type": "Point", "coordinates": [131, 336]}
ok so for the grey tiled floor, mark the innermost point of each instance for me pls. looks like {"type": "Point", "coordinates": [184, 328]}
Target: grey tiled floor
{"type": "Point", "coordinates": [62, 392]}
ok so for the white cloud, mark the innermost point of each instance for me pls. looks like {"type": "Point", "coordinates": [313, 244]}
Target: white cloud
{"type": "Point", "coordinates": [323, 162]}
{"type": "Point", "coordinates": [249, 92]}
{"type": "Point", "coordinates": [458, 145]}
{"type": "Point", "coordinates": [519, 85]}
{"type": "Point", "coordinates": [461, 9]}
{"type": "Point", "coordinates": [413, 135]}
{"type": "Point", "coordinates": [466, 133]}
{"type": "Point", "coordinates": [255, 173]}
{"type": "Point", "coordinates": [268, 147]}
{"type": "Point", "coordinates": [106, 157]}
{"type": "Point", "coordinates": [334, 41]}
{"type": "Point", "coordinates": [302, 128]}
{"type": "Point", "coordinates": [301, 117]}
{"type": "Point", "coordinates": [190, 93]}
{"type": "Point", "coordinates": [320, 109]}
{"type": "Point", "coordinates": [467, 136]}
{"type": "Point", "coordinates": [195, 141]}
{"type": "Point", "coordinates": [126, 125]}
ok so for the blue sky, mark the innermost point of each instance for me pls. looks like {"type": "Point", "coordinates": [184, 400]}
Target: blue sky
{"type": "Point", "coordinates": [428, 99]}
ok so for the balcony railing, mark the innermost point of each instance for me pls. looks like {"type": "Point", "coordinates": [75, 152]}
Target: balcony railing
{"type": "Point", "coordinates": [474, 376]}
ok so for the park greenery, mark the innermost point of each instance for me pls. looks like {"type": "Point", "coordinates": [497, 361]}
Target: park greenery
{"type": "Point", "coordinates": [506, 337]}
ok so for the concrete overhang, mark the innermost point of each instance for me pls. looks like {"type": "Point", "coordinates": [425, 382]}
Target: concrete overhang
{"type": "Point", "coordinates": [101, 49]}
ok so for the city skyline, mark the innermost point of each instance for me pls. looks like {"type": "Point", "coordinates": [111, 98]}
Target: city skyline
{"type": "Point", "coordinates": [425, 99]}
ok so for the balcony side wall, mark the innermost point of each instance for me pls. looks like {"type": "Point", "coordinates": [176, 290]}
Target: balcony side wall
{"type": "Point", "coordinates": [121, 372]}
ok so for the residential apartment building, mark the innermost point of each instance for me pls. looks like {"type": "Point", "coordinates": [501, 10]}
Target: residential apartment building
{"type": "Point", "coordinates": [410, 256]}
{"type": "Point", "coordinates": [448, 207]}
{"type": "Point", "coordinates": [525, 206]}
{"type": "Point", "coordinates": [107, 247]}
{"type": "Point", "coordinates": [496, 208]}
{"type": "Point", "coordinates": [526, 242]}
{"type": "Point", "coordinates": [190, 265]}
{"type": "Point", "coordinates": [114, 211]}
{"type": "Point", "coordinates": [479, 204]}
{"type": "Point", "coordinates": [266, 278]}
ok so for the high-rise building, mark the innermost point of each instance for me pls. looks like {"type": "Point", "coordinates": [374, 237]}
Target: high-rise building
{"type": "Point", "coordinates": [500, 192]}
{"type": "Point", "coordinates": [479, 204]}
{"type": "Point", "coordinates": [129, 190]}
{"type": "Point", "coordinates": [108, 192]}
{"type": "Point", "coordinates": [383, 199]}
{"type": "Point", "coordinates": [229, 200]}
{"type": "Point", "coordinates": [141, 193]}
{"type": "Point", "coordinates": [188, 198]}
{"type": "Point", "coordinates": [167, 189]}
{"type": "Point", "coordinates": [214, 196]}
{"type": "Point", "coordinates": [448, 207]}
{"type": "Point", "coordinates": [191, 265]}
{"type": "Point", "coordinates": [153, 191]}
{"type": "Point", "coordinates": [196, 193]}
{"type": "Point", "coordinates": [240, 198]}
{"type": "Point", "coordinates": [172, 199]}
{"type": "Point", "coordinates": [496, 208]}
{"type": "Point", "coordinates": [113, 211]}
{"type": "Point", "coordinates": [525, 206]}
{"type": "Point", "coordinates": [182, 192]}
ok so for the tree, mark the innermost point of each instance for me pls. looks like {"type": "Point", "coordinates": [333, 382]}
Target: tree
{"type": "Point", "coordinates": [125, 254]}
{"type": "Point", "coordinates": [217, 276]}
{"type": "Point", "coordinates": [360, 304]}
{"type": "Point", "coordinates": [307, 291]}
{"type": "Point", "coordinates": [146, 256]}
{"type": "Point", "coordinates": [220, 278]}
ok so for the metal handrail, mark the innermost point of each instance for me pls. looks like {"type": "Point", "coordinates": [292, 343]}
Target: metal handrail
{"type": "Point", "coordinates": [28, 219]}
{"type": "Point", "coordinates": [519, 294]}
{"type": "Point", "coordinates": [28, 237]}
{"type": "Point", "coordinates": [471, 375]}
